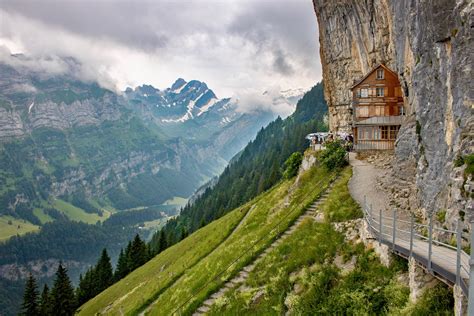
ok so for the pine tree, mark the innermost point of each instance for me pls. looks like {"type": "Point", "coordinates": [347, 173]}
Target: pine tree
{"type": "Point", "coordinates": [122, 266]}
{"type": "Point", "coordinates": [138, 253]}
{"type": "Point", "coordinates": [30, 298]}
{"type": "Point", "coordinates": [63, 300]}
{"type": "Point", "coordinates": [103, 272]}
{"type": "Point", "coordinates": [87, 287]}
{"type": "Point", "coordinates": [45, 308]}
{"type": "Point", "coordinates": [162, 243]}
{"type": "Point", "coordinates": [184, 233]}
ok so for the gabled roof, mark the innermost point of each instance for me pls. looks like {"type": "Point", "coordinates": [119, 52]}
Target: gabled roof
{"type": "Point", "coordinates": [370, 72]}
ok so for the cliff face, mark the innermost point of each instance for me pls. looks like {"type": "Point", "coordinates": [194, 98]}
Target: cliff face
{"type": "Point", "coordinates": [429, 44]}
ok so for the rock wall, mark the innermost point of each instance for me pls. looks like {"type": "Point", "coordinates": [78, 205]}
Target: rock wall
{"type": "Point", "coordinates": [429, 45]}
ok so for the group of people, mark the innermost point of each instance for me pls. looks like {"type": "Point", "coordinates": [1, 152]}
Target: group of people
{"type": "Point", "coordinates": [319, 139]}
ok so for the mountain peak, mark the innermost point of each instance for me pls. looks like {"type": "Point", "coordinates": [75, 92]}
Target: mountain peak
{"type": "Point", "coordinates": [180, 82]}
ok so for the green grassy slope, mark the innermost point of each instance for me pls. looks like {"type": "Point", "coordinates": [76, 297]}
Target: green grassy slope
{"type": "Point", "coordinates": [10, 226]}
{"type": "Point", "coordinates": [151, 288]}
{"type": "Point", "coordinates": [307, 282]}
{"type": "Point", "coordinates": [145, 282]}
{"type": "Point", "coordinates": [76, 214]}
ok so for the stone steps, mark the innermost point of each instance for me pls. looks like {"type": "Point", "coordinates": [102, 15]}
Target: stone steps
{"type": "Point", "coordinates": [311, 213]}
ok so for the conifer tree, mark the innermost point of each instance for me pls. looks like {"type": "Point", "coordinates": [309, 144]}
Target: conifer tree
{"type": "Point", "coordinates": [45, 308]}
{"type": "Point", "coordinates": [122, 266]}
{"type": "Point", "coordinates": [103, 272]}
{"type": "Point", "coordinates": [184, 233]}
{"type": "Point", "coordinates": [138, 253]}
{"type": "Point", "coordinates": [30, 298]}
{"type": "Point", "coordinates": [163, 243]}
{"type": "Point", "coordinates": [62, 294]}
{"type": "Point", "coordinates": [87, 288]}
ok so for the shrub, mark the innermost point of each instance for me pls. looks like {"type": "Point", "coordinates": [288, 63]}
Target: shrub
{"type": "Point", "coordinates": [435, 301]}
{"type": "Point", "coordinates": [469, 160]}
{"type": "Point", "coordinates": [459, 161]}
{"type": "Point", "coordinates": [441, 216]}
{"type": "Point", "coordinates": [292, 165]}
{"type": "Point", "coordinates": [333, 156]}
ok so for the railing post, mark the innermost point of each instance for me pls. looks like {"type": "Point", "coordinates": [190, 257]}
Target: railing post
{"type": "Point", "coordinates": [412, 228]}
{"type": "Point", "coordinates": [458, 252]}
{"type": "Point", "coordinates": [471, 272]}
{"type": "Point", "coordinates": [430, 241]}
{"type": "Point", "coordinates": [394, 228]}
{"type": "Point", "coordinates": [380, 227]}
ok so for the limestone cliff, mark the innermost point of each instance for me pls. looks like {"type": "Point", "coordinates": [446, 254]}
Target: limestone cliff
{"type": "Point", "coordinates": [430, 45]}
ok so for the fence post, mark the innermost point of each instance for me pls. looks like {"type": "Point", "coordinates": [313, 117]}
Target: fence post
{"type": "Point", "coordinates": [412, 227]}
{"type": "Point", "coordinates": [458, 252]}
{"type": "Point", "coordinates": [380, 227]}
{"type": "Point", "coordinates": [470, 303]}
{"type": "Point", "coordinates": [394, 228]}
{"type": "Point", "coordinates": [430, 241]}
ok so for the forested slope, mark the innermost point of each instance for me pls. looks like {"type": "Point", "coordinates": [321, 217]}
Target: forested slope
{"type": "Point", "coordinates": [257, 168]}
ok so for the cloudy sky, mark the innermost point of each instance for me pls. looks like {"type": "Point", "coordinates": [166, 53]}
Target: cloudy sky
{"type": "Point", "coordinates": [235, 46]}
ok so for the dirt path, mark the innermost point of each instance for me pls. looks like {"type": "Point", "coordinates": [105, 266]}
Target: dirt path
{"type": "Point", "coordinates": [364, 183]}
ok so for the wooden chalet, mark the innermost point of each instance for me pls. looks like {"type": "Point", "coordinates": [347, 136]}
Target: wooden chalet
{"type": "Point", "coordinates": [377, 104]}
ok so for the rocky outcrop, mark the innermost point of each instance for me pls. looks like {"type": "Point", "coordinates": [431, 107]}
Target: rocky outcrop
{"type": "Point", "coordinates": [429, 45]}
{"type": "Point", "coordinates": [419, 280]}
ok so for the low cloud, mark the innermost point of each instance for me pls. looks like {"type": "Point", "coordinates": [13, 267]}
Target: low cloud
{"type": "Point", "coordinates": [52, 65]}
{"type": "Point", "coordinates": [235, 46]}
{"type": "Point", "coordinates": [271, 100]}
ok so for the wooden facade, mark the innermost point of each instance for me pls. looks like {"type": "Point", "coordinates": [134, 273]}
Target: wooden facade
{"type": "Point", "coordinates": [377, 104]}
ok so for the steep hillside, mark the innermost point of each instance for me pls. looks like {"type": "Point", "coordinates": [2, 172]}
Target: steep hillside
{"type": "Point", "coordinates": [254, 226]}
{"type": "Point", "coordinates": [257, 168]}
{"type": "Point", "coordinates": [269, 268]}
{"type": "Point", "coordinates": [429, 45]}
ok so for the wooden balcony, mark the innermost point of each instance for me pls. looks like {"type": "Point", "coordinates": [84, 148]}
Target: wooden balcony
{"type": "Point", "coordinates": [378, 144]}
{"type": "Point", "coordinates": [378, 120]}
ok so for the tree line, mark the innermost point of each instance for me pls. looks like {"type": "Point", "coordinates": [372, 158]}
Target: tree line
{"type": "Point", "coordinates": [63, 299]}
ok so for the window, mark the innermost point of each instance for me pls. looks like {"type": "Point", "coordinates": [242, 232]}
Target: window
{"type": "Point", "coordinates": [401, 110]}
{"type": "Point", "coordinates": [379, 74]}
{"type": "Point", "coordinates": [362, 111]}
{"type": "Point", "coordinates": [376, 133]}
{"type": "Point", "coordinates": [379, 110]}
{"type": "Point", "coordinates": [384, 132]}
{"type": "Point", "coordinates": [364, 93]}
{"type": "Point", "coordinates": [393, 132]}
{"type": "Point", "coordinates": [364, 133]}
{"type": "Point", "coordinates": [380, 91]}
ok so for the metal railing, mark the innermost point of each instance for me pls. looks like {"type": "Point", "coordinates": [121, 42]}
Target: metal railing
{"type": "Point", "coordinates": [409, 239]}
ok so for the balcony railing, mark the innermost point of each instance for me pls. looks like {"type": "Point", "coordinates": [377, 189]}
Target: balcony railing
{"type": "Point", "coordinates": [374, 145]}
{"type": "Point", "coordinates": [379, 120]}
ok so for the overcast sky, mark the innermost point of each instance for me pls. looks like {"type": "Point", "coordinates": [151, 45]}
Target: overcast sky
{"type": "Point", "coordinates": [232, 45]}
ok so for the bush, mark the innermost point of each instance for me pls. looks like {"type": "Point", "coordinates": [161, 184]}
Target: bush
{"type": "Point", "coordinates": [469, 160]}
{"type": "Point", "coordinates": [333, 156]}
{"type": "Point", "coordinates": [435, 301]}
{"type": "Point", "coordinates": [292, 165]}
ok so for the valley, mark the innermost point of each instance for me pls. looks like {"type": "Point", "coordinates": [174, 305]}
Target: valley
{"type": "Point", "coordinates": [73, 154]}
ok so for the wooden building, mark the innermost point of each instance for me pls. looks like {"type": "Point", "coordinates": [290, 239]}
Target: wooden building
{"type": "Point", "coordinates": [377, 105]}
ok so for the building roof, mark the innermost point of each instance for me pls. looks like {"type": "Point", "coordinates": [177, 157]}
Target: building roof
{"type": "Point", "coordinates": [381, 120]}
{"type": "Point", "coordinates": [370, 72]}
